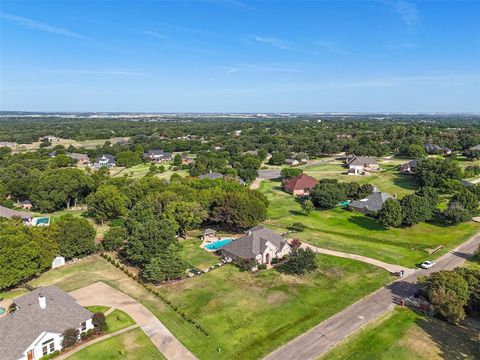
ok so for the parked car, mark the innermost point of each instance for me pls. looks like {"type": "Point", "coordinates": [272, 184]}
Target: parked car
{"type": "Point", "coordinates": [427, 264]}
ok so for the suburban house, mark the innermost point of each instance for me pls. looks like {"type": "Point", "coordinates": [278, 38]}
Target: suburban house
{"type": "Point", "coordinates": [436, 149]}
{"type": "Point", "coordinates": [50, 138]}
{"type": "Point", "coordinates": [7, 144]}
{"type": "Point", "coordinates": [106, 160]}
{"type": "Point", "coordinates": [358, 165]}
{"type": "Point", "coordinates": [476, 147]}
{"type": "Point", "coordinates": [300, 185]}
{"type": "Point", "coordinates": [26, 204]}
{"type": "Point", "coordinates": [292, 162]}
{"type": "Point", "coordinates": [36, 326]}
{"type": "Point", "coordinates": [409, 167]}
{"type": "Point", "coordinates": [186, 160]}
{"type": "Point", "coordinates": [157, 156]}
{"type": "Point", "coordinates": [27, 218]}
{"type": "Point", "coordinates": [215, 176]}
{"type": "Point", "coordinates": [259, 244]}
{"type": "Point", "coordinates": [371, 203]}
{"type": "Point", "coordinates": [82, 159]}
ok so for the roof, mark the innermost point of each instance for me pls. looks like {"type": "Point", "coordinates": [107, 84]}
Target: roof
{"type": "Point", "coordinates": [290, 161]}
{"type": "Point", "coordinates": [301, 182]}
{"type": "Point", "coordinates": [20, 328]}
{"type": "Point", "coordinates": [78, 156]}
{"type": "Point", "coordinates": [361, 160]}
{"type": "Point", "coordinates": [411, 164]}
{"type": "Point", "coordinates": [476, 147]}
{"type": "Point", "coordinates": [209, 232]}
{"type": "Point", "coordinates": [373, 202]}
{"type": "Point", "coordinates": [9, 213]}
{"type": "Point", "coordinates": [254, 243]}
{"type": "Point", "coordinates": [109, 157]}
{"type": "Point", "coordinates": [212, 176]}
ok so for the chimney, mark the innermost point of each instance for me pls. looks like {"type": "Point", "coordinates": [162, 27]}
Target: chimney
{"type": "Point", "coordinates": [42, 301]}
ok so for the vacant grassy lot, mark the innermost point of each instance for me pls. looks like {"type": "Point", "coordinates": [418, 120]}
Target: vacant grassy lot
{"type": "Point", "coordinates": [339, 229]}
{"type": "Point", "coordinates": [141, 170]}
{"type": "Point", "coordinates": [404, 335]}
{"type": "Point", "coordinates": [388, 180]}
{"type": "Point", "coordinates": [132, 345]}
{"type": "Point", "coordinates": [248, 315]}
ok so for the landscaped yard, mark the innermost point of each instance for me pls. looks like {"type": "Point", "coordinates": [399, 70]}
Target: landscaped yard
{"type": "Point", "coordinates": [132, 345]}
{"type": "Point", "coordinates": [141, 170]}
{"type": "Point", "coordinates": [405, 335]}
{"type": "Point", "coordinates": [118, 320]}
{"type": "Point", "coordinates": [340, 229]}
{"type": "Point", "coordinates": [195, 256]}
{"type": "Point", "coordinates": [246, 315]}
{"type": "Point", "coordinates": [98, 308]}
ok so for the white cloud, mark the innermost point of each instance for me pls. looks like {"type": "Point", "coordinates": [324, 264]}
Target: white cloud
{"type": "Point", "coordinates": [327, 45]}
{"type": "Point", "coordinates": [408, 12]}
{"type": "Point", "coordinates": [39, 26]}
{"type": "Point", "coordinates": [278, 43]}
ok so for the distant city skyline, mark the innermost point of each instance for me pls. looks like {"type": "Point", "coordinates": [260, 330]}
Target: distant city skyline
{"type": "Point", "coordinates": [232, 56]}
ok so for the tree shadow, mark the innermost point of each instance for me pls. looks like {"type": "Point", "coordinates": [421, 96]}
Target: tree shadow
{"type": "Point", "coordinates": [454, 342]}
{"type": "Point", "coordinates": [404, 181]}
{"type": "Point", "coordinates": [366, 223]}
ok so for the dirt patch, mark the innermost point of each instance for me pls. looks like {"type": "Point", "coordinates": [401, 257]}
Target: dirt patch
{"type": "Point", "coordinates": [420, 344]}
{"type": "Point", "coordinates": [276, 298]}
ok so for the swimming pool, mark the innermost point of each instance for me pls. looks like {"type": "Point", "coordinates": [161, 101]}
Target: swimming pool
{"type": "Point", "coordinates": [2, 310]}
{"type": "Point", "coordinates": [218, 244]}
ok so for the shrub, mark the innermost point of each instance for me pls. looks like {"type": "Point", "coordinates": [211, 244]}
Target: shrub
{"type": "Point", "coordinates": [299, 262]}
{"type": "Point", "coordinates": [70, 337]}
{"type": "Point", "coordinates": [90, 332]}
{"type": "Point", "coordinates": [83, 335]}
{"type": "Point", "coordinates": [51, 355]}
{"type": "Point", "coordinates": [261, 267]}
{"type": "Point", "coordinates": [295, 243]}
{"type": "Point", "coordinates": [297, 226]}
{"type": "Point", "coordinates": [99, 322]}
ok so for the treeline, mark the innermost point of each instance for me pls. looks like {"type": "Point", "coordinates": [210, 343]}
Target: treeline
{"type": "Point", "coordinates": [362, 135]}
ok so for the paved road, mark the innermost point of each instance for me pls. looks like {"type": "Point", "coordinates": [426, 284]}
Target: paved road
{"type": "Point", "coordinates": [102, 294]}
{"type": "Point", "coordinates": [389, 267]}
{"type": "Point", "coordinates": [332, 331]}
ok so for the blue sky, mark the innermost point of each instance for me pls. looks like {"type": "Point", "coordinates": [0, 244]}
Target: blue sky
{"type": "Point", "coordinates": [240, 56]}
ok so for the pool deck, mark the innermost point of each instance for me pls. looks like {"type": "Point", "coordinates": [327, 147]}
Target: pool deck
{"type": "Point", "coordinates": [5, 303]}
{"type": "Point", "coordinates": [213, 239]}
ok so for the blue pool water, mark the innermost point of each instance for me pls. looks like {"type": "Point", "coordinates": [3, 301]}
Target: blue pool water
{"type": "Point", "coordinates": [218, 244]}
{"type": "Point", "coordinates": [2, 310]}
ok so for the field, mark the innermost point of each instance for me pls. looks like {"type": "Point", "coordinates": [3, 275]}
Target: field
{"type": "Point", "coordinates": [246, 315]}
{"type": "Point", "coordinates": [404, 335]}
{"type": "Point", "coordinates": [88, 144]}
{"type": "Point", "coordinates": [141, 170]}
{"type": "Point", "coordinates": [132, 345]}
{"type": "Point", "coordinates": [340, 229]}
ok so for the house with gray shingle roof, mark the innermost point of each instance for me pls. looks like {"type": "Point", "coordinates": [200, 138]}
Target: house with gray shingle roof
{"type": "Point", "coordinates": [259, 244]}
{"type": "Point", "coordinates": [36, 326]}
{"type": "Point", "coordinates": [106, 160]}
{"type": "Point", "coordinates": [157, 156]}
{"type": "Point", "coordinates": [358, 165]}
{"type": "Point", "coordinates": [409, 167]}
{"type": "Point", "coordinates": [371, 203]}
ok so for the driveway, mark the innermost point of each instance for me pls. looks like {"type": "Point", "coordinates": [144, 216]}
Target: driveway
{"type": "Point", "coordinates": [102, 294]}
{"type": "Point", "coordinates": [336, 329]}
{"type": "Point", "coordinates": [389, 267]}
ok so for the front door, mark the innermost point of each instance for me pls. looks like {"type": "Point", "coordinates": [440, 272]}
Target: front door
{"type": "Point", "coordinates": [267, 259]}
{"type": "Point", "coordinates": [30, 355]}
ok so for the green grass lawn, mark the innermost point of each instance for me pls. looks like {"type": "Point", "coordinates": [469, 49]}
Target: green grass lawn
{"type": "Point", "coordinates": [97, 308]}
{"type": "Point", "coordinates": [12, 294]}
{"type": "Point", "coordinates": [141, 170]}
{"type": "Point", "coordinates": [132, 345]}
{"type": "Point", "coordinates": [248, 315]}
{"type": "Point", "coordinates": [195, 256]}
{"type": "Point", "coordinates": [388, 180]}
{"type": "Point", "coordinates": [118, 320]}
{"type": "Point", "coordinates": [405, 335]}
{"type": "Point", "coordinates": [339, 229]}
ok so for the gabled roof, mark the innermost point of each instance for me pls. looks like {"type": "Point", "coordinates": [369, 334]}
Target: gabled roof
{"type": "Point", "coordinates": [254, 242]}
{"type": "Point", "coordinates": [9, 213]}
{"type": "Point", "coordinates": [300, 182]}
{"type": "Point", "coordinates": [20, 328]}
{"type": "Point", "coordinates": [373, 202]}
{"type": "Point", "coordinates": [361, 160]}
{"type": "Point", "coordinates": [109, 157]}
{"type": "Point", "coordinates": [78, 156]}
{"type": "Point", "coordinates": [212, 176]}
{"type": "Point", "coordinates": [476, 147]}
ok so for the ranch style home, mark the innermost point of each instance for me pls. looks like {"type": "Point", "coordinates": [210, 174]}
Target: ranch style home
{"type": "Point", "coordinates": [370, 204]}
{"type": "Point", "coordinates": [358, 165]}
{"type": "Point", "coordinates": [157, 156]}
{"type": "Point", "coordinates": [300, 185]}
{"type": "Point", "coordinates": [34, 329]}
{"type": "Point", "coordinates": [409, 167]}
{"type": "Point", "coordinates": [260, 244]}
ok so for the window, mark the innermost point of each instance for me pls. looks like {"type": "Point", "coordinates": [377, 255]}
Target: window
{"type": "Point", "coordinates": [84, 326]}
{"type": "Point", "coordinates": [48, 347]}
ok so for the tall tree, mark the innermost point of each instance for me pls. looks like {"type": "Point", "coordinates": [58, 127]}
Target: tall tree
{"type": "Point", "coordinates": [168, 265]}
{"type": "Point", "coordinates": [107, 203]}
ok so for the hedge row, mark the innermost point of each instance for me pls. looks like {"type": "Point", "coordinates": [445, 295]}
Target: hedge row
{"type": "Point", "coordinates": [154, 292]}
